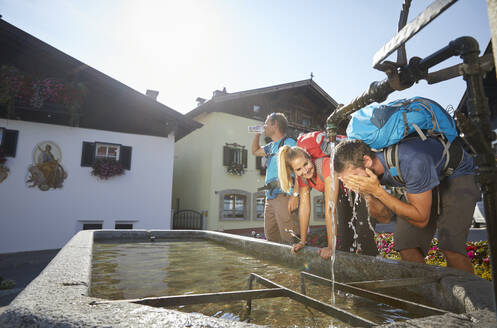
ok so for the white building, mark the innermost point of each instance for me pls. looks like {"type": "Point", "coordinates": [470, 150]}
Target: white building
{"type": "Point", "coordinates": [101, 119]}
{"type": "Point", "coordinates": [204, 180]}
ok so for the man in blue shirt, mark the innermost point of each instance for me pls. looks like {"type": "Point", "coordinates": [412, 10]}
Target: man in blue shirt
{"type": "Point", "coordinates": [280, 209]}
{"type": "Point", "coordinates": [433, 202]}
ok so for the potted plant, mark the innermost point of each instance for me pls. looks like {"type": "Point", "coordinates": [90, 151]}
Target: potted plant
{"type": "Point", "coordinates": [105, 168]}
{"type": "Point", "coordinates": [236, 169]}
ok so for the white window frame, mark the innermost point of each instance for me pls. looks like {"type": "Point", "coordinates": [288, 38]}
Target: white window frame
{"type": "Point", "coordinates": [237, 156]}
{"type": "Point", "coordinates": [107, 145]}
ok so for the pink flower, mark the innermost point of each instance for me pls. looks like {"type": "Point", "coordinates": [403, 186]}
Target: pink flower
{"type": "Point", "coordinates": [471, 254]}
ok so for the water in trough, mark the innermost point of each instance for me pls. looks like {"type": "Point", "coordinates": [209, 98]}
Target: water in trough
{"type": "Point", "coordinates": [129, 270]}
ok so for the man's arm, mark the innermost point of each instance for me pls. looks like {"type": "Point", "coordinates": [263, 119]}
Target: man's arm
{"type": "Point", "coordinates": [416, 211]}
{"type": "Point", "coordinates": [257, 150]}
{"type": "Point", "coordinates": [377, 209]}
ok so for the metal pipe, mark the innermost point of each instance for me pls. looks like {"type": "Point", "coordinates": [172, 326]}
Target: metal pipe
{"type": "Point", "coordinates": [481, 137]}
{"type": "Point", "coordinates": [477, 131]}
{"type": "Point", "coordinates": [399, 79]}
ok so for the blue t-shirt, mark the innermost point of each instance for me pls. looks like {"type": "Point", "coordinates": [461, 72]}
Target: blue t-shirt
{"type": "Point", "coordinates": [271, 150]}
{"type": "Point", "coordinates": [418, 161]}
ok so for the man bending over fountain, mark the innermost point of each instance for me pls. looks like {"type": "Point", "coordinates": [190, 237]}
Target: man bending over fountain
{"type": "Point", "coordinates": [432, 201]}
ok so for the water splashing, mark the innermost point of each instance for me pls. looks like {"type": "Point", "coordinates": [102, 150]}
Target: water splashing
{"type": "Point", "coordinates": [356, 246]}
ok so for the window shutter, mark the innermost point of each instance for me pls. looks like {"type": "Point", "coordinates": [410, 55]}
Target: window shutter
{"type": "Point", "coordinates": [226, 156]}
{"type": "Point", "coordinates": [258, 162]}
{"type": "Point", "coordinates": [9, 143]}
{"type": "Point", "coordinates": [244, 157]}
{"type": "Point", "coordinates": [125, 157]}
{"type": "Point", "coordinates": [88, 154]}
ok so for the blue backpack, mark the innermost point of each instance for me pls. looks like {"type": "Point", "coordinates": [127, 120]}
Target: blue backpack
{"type": "Point", "coordinates": [382, 127]}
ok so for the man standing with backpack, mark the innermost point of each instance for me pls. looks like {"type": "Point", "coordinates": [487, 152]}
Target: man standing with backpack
{"type": "Point", "coordinates": [432, 202]}
{"type": "Point", "coordinates": [280, 209]}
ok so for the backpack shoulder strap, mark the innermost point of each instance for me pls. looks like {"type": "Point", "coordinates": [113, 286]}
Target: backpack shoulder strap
{"type": "Point", "coordinates": [319, 167]}
{"type": "Point", "coordinates": [282, 142]}
{"type": "Point", "coordinates": [391, 155]}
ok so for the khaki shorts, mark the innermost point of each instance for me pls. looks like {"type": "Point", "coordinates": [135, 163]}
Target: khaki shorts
{"type": "Point", "coordinates": [277, 219]}
{"type": "Point", "coordinates": [458, 198]}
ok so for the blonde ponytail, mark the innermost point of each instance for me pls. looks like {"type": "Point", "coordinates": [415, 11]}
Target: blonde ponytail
{"type": "Point", "coordinates": [283, 170]}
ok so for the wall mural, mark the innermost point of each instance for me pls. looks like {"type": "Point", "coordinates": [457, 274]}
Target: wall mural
{"type": "Point", "coordinates": [47, 171]}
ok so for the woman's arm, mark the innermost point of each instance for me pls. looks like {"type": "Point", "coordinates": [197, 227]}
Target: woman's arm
{"type": "Point", "coordinates": [304, 216]}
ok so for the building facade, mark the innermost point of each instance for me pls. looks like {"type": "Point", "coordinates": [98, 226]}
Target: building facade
{"type": "Point", "coordinates": [215, 172]}
{"type": "Point", "coordinates": [78, 149]}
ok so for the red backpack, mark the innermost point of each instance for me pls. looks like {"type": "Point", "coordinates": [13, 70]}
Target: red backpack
{"type": "Point", "coordinates": [317, 145]}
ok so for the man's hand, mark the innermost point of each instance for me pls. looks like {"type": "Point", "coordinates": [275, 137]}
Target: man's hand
{"type": "Point", "coordinates": [325, 253]}
{"type": "Point", "coordinates": [293, 204]}
{"type": "Point", "coordinates": [363, 184]}
{"type": "Point", "coordinates": [296, 248]}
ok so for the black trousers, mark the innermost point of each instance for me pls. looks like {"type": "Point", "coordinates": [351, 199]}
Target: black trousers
{"type": "Point", "coordinates": [346, 225]}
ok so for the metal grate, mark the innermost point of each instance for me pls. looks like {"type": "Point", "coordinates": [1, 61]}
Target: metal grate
{"type": "Point", "coordinates": [276, 290]}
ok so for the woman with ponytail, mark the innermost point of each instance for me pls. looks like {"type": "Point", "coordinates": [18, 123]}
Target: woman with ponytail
{"type": "Point", "coordinates": [315, 173]}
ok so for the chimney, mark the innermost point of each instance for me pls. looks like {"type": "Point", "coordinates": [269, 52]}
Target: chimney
{"type": "Point", "coordinates": [219, 92]}
{"type": "Point", "coordinates": [200, 101]}
{"type": "Point", "coordinates": [152, 94]}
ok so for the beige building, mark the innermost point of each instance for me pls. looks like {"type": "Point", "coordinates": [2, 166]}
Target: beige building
{"type": "Point", "coordinates": [215, 172]}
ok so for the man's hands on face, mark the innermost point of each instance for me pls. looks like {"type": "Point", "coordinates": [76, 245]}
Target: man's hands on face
{"type": "Point", "coordinates": [363, 184]}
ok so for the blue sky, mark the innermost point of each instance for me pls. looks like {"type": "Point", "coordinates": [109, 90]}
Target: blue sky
{"type": "Point", "coordinates": [188, 48]}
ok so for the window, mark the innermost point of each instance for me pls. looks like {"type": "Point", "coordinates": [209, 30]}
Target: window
{"type": "Point", "coordinates": [259, 204]}
{"type": "Point", "coordinates": [234, 205]}
{"type": "Point", "coordinates": [92, 226]}
{"type": "Point", "coordinates": [235, 158]}
{"type": "Point", "coordinates": [261, 164]}
{"type": "Point", "coordinates": [8, 142]}
{"type": "Point", "coordinates": [105, 150]}
{"type": "Point", "coordinates": [305, 120]}
{"type": "Point", "coordinates": [124, 226]}
{"type": "Point", "coordinates": [92, 151]}
{"type": "Point", "coordinates": [319, 207]}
